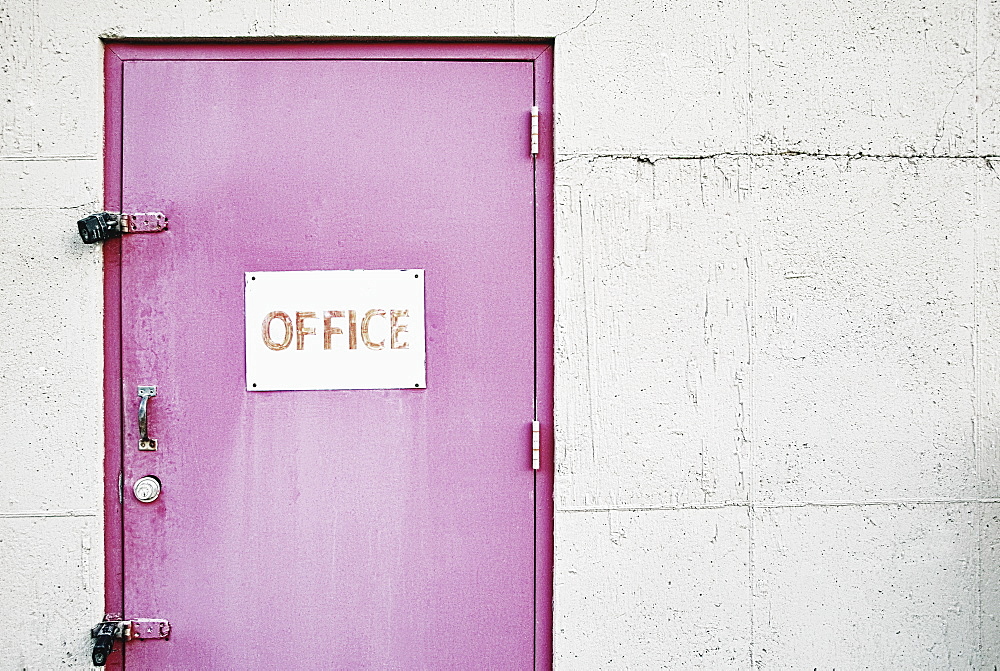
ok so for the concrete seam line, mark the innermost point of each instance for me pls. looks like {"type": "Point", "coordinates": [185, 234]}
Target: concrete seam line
{"type": "Point", "coordinates": [783, 504]}
{"type": "Point", "coordinates": [653, 156]}
{"type": "Point", "coordinates": [48, 513]}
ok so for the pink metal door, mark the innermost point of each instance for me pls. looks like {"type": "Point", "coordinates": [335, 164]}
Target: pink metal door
{"type": "Point", "coordinates": [398, 529]}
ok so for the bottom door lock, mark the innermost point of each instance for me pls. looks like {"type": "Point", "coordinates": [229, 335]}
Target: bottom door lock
{"type": "Point", "coordinates": [104, 636]}
{"type": "Point", "coordinates": [106, 633]}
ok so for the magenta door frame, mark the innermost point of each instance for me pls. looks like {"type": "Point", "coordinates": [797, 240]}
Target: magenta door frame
{"type": "Point", "coordinates": [540, 55]}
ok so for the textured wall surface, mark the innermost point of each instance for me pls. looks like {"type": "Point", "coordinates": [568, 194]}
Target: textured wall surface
{"type": "Point", "coordinates": [778, 320]}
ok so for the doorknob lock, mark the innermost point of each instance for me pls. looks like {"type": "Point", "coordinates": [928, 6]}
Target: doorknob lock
{"type": "Point", "coordinates": [147, 488]}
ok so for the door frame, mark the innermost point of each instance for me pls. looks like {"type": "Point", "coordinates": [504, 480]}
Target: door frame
{"type": "Point", "coordinates": [540, 54]}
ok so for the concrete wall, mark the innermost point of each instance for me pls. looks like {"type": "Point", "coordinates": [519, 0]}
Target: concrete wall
{"type": "Point", "coordinates": [778, 320]}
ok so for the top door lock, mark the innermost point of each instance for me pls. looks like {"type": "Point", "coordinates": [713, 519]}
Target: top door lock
{"type": "Point", "coordinates": [107, 225]}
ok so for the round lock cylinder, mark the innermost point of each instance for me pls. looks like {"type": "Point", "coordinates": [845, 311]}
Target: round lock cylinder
{"type": "Point", "coordinates": [147, 488]}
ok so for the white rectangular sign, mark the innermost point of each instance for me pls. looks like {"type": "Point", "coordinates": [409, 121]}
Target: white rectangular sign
{"type": "Point", "coordinates": [335, 329]}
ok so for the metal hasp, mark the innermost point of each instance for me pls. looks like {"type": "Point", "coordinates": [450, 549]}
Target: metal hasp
{"type": "Point", "coordinates": [106, 633]}
{"type": "Point", "coordinates": [146, 444]}
{"type": "Point", "coordinates": [103, 226]}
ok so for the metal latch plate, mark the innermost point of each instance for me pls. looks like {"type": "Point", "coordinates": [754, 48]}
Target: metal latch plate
{"type": "Point", "coordinates": [145, 222]}
{"type": "Point", "coordinates": [144, 628]}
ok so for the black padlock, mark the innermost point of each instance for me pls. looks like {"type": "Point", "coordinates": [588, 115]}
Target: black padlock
{"type": "Point", "coordinates": [104, 636]}
{"type": "Point", "coordinates": [100, 227]}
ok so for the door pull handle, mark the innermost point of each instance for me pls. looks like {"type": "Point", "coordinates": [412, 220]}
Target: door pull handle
{"type": "Point", "coordinates": [146, 443]}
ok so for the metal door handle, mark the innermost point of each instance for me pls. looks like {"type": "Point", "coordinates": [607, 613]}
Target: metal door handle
{"type": "Point", "coordinates": [145, 442]}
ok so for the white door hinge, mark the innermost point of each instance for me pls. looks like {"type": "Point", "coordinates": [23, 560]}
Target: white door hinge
{"type": "Point", "coordinates": [534, 131]}
{"type": "Point", "coordinates": [536, 445]}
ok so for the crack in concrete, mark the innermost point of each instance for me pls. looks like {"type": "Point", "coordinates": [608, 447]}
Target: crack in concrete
{"type": "Point", "coordinates": [582, 21]}
{"type": "Point", "coordinates": [939, 134]}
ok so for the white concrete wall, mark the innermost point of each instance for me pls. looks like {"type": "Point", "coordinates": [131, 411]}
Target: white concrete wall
{"type": "Point", "coordinates": [778, 320]}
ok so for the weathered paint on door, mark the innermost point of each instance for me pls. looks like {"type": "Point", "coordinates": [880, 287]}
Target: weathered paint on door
{"type": "Point", "coordinates": [331, 529]}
